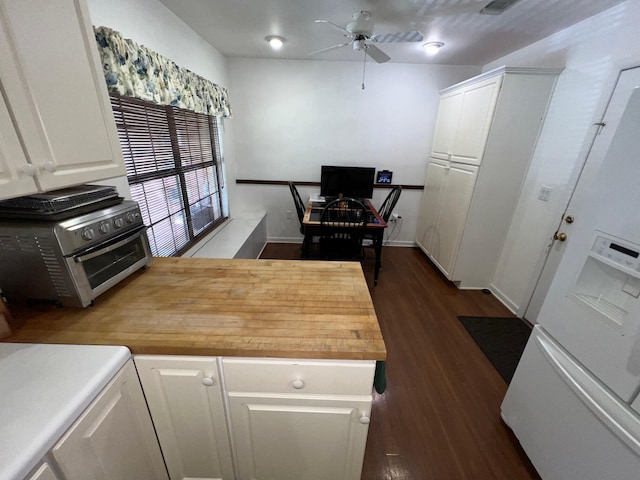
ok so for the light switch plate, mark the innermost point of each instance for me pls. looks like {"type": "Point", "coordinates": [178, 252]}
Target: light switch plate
{"type": "Point", "coordinates": [544, 193]}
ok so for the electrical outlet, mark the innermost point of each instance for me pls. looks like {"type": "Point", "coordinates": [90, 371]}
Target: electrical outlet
{"type": "Point", "coordinates": [289, 214]}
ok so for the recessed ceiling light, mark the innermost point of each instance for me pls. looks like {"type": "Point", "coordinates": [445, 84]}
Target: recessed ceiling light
{"type": "Point", "coordinates": [275, 41]}
{"type": "Point", "coordinates": [432, 47]}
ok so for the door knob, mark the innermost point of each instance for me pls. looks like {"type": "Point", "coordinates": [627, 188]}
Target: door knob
{"type": "Point", "coordinates": [364, 419]}
{"type": "Point", "coordinates": [560, 236]}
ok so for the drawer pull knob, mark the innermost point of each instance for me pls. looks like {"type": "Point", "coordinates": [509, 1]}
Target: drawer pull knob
{"type": "Point", "coordinates": [364, 420]}
{"type": "Point", "coordinates": [208, 381]}
{"type": "Point", "coordinates": [297, 384]}
{"type": "Point", "coordinates": [50, 167]}
{"type": "Point", "coordinates": [29, 169]}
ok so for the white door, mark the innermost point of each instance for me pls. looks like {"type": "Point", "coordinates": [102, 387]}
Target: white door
{"type": "Point", "coordinates": [114, 438]}
{"type": "Point", "coordinates": [476, 114]}
{"type": "Point", "coordinates": [592, 307]}
{"type": "Point", "coordinates": [455, 202]}
{"type": "Point", "coordinates": [579, 193]}
{"type": "Point", "coordinates": [287, 438]}
{"type": "Point", "coordinates": [433, 188]}
{"type": "Point", "coordinates": [185, 399]}
{"type": "Point", "coordinates": [446, 124]}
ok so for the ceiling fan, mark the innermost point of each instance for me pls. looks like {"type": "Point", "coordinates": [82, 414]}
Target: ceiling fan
{"type": "Point", "coordinates": [361, 37]}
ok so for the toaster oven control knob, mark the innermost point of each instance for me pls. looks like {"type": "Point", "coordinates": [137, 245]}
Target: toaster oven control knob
{"type": "Point", "coordinates": [103, 228]}
{"type": "Point", "coordinates": [118, 223]}
{"type": "Point", "coordinates": [88, 233]}
{"type": "Point", "coordinates": [130, 216]}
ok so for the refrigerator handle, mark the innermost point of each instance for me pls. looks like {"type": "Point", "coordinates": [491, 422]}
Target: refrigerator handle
{"type": "Point", "coordinates": [612, 412]}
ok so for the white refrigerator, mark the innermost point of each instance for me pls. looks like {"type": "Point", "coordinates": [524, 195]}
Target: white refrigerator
{"type": "Point", "coordinates": [574, 401]}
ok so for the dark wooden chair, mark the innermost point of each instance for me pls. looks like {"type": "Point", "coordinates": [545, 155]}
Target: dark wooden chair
{"type": "Point", "coordinates": [297, 200]}
{"type": "Point", "coordinates": [387, 207]}
{"type": "Point", "coordinates": [343, 223]}
{"type": "Point", "coordinates": [390, 203]}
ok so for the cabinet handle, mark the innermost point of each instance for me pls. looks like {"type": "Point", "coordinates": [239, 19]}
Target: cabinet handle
{"type": "Point", "coordinates": [29, 169]}
{"type": "Point", "coordinates": [50, 166]}
{"type": "Point", "coordinates": [365, 420]}
{"type": "Point", "coordinates": [208, 381]}
{"type": "Point", "coordinates": [297, 384]}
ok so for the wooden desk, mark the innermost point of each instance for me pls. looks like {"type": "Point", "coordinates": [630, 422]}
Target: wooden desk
{"type": "Point", "coordinates": [312, 227]}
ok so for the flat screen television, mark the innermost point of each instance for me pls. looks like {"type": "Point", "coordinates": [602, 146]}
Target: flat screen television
{"type": "Point", "coordinates": [356, 182]}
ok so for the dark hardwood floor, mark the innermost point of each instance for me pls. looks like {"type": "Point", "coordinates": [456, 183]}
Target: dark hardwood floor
{"type": "Point", "coordinates": [439, 417]}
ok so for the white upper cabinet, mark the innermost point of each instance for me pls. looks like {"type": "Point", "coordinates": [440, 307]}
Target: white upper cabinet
{"type": "Point", "coordinates": [14, 181]}
{"type": "Point", "coordinates": [447, 124]}
{"type": "Point", "coordinates": [476, 113]}
{"type": "Point", "coordinates": [55, 98]}
{"type": "Point", "coordinates": [464, 118]}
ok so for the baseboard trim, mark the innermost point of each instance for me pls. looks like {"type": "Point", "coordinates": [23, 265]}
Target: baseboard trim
{"type": "Point", "coordinates": [513, 308]}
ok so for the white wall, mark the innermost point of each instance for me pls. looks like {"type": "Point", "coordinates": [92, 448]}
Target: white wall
{"type": "Point", "coordinates": [150, 23]}
{"type": "Point", "coordinates": [291, 117]}
{"type": "Point", "coordinates": [592, 53]}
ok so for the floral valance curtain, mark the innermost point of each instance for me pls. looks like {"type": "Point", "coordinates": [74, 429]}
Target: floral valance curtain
{"type": "Point", "coordinates": [135, 71]}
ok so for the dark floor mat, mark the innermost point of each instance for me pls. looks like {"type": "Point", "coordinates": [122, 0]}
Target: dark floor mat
{"type": "Point", "coordinates": [502, 340]}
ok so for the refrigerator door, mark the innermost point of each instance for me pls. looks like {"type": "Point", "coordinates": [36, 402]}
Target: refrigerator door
{"type": "Point", "coordinates": [593, 306]}
{"type": "Point", "coordinates": [569, 424]}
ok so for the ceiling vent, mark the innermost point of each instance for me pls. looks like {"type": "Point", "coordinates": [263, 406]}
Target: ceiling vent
{"type": "Point", "coordinates": [497, 7]}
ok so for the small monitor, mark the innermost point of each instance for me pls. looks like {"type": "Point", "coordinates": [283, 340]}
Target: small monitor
{"type": "Point", "coordinates": [356, 182]}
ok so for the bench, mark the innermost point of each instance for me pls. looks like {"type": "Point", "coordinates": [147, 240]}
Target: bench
{"type": "Point", "coordinates": [238, 237]}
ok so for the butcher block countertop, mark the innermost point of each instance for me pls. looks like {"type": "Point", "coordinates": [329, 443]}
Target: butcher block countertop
{"type": "Point", "coordinates": [219, 307]}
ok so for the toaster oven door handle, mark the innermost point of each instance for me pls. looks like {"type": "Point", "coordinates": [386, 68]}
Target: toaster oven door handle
{"type": "Point", "coordinates": [87, 255]}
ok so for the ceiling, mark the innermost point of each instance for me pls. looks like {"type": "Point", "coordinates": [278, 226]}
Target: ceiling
{"type": "Point", "coordinates": [237, 28]}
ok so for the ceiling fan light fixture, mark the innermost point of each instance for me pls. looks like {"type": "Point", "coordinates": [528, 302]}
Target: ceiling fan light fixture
{"type": "Point", "coordinates": [432, 47]}
{"type": "Point", "coordinates": [275, 41]}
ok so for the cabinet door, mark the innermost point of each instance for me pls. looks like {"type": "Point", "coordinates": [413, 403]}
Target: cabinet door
{"type": "Point", "coordinates": [446, 124]}
{"type": "Point", "coordinates": [431, 203]}
{"type": "Point", "coordinates": [14, 168]}
{"type": "Point", "coordinates": [114, 438]}
{"type": "Point", "coordinates": [52, 76]}
{"type": "Point", "coordinates": [455, 202]}
{"type": "Point", "coordinates": [285, 438]}
{"type": "Point", "coordinates": [186, 404]}
{"type": "Point", "coordinates": [43, 472]}
{"type": "Point", "coordinates": [476, 113]}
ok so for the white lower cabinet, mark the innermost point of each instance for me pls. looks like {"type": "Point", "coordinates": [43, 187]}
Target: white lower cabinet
{"type": "Point", "coordinates": [280, 438]}
{"type": "Point", "coordinates": [184, 395]}
{"type": "Point", "coordinates": [113, 439]}
{"type": "Point", "coordinates": [299, 419]}
{"type": "Point", "coordinates": [259, 418]}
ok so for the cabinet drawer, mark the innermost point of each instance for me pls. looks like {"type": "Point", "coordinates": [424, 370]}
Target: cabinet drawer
{"type": "Point", "coordinates": [299, 376]}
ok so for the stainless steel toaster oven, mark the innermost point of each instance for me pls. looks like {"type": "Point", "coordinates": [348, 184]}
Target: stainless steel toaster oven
{"type": "Point", "coordinates": [71, 261]}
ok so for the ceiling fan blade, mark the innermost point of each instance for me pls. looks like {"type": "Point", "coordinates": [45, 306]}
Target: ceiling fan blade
{"type": "Point", "coordinates": [335, 26]}
{"type": "Point", "coordinates": [413, 36]}
{"type": "Point", "coordinates": [377, 54]}
{"type": "Point", "coordinates": [329, 48]}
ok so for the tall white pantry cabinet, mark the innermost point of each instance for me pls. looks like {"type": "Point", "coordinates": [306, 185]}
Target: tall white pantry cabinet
{"type": "Point", "coordinates": [485, 135]}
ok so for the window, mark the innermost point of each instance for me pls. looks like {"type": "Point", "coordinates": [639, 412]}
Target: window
{"type": "Point", "coordinates": [173, 169]}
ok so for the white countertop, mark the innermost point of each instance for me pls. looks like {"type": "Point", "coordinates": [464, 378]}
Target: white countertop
{"type": "Point", "coordinates": [43, 389]}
